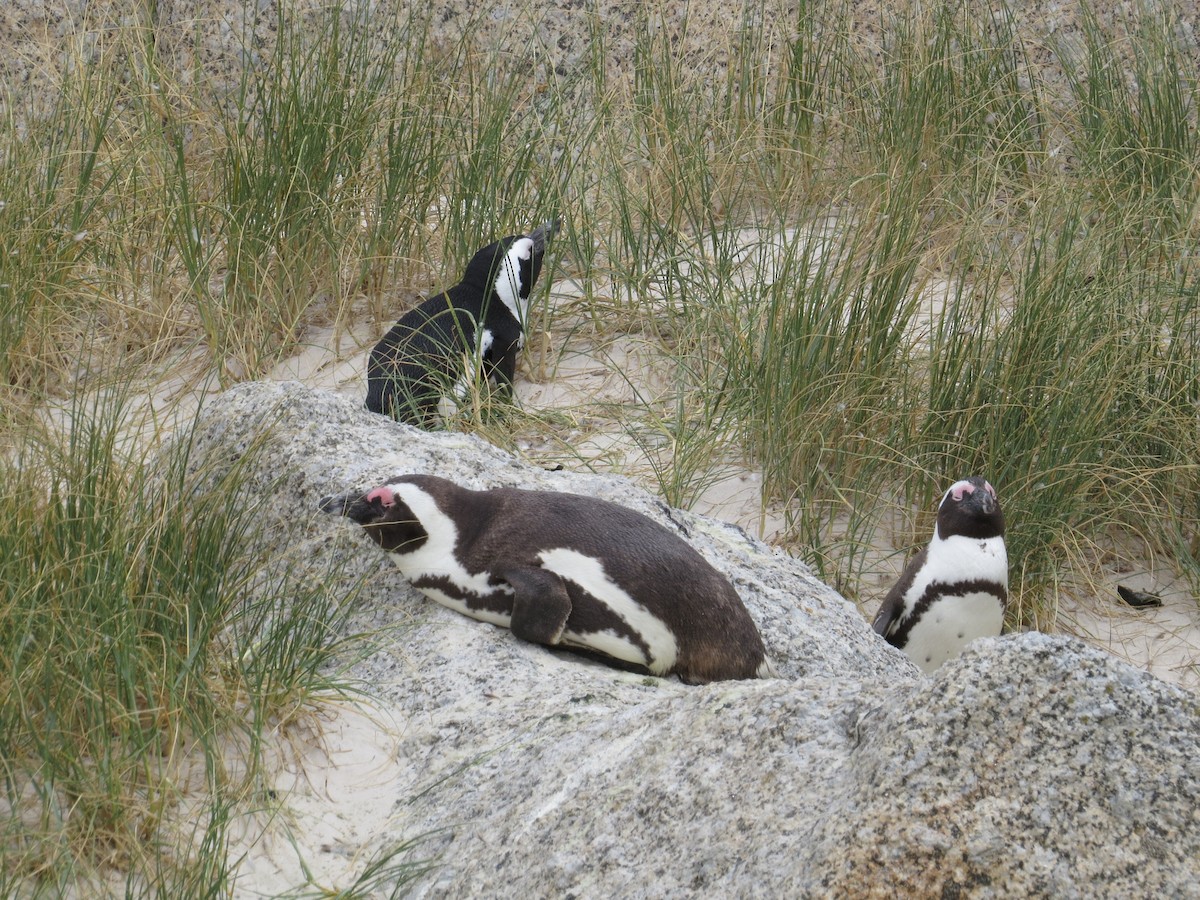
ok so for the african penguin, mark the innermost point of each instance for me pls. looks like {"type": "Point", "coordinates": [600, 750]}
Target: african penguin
{"type": "Point", "coordinates": [564, 570]}
{"type": "Point", "coordinates": [425, 365]}
{"type": "Point", "coordinates": [955, 589]}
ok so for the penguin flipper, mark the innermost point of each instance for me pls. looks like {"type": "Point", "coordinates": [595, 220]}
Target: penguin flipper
{"type": "Point", "coordinates": [541, 605]}
{"type": "Point", "coordinates": [500, 361]}
{"type": "Point", "coordinates": [889, 612]}
{"type": "Point", "coordinates": [892, 607]}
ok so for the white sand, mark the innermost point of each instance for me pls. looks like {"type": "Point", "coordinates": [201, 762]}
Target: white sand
{"type": "Point", "coordinates": [336, 790]}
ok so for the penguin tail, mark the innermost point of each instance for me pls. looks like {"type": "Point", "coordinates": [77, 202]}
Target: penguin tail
{"type": "Point", "coordinates": [766, 669]}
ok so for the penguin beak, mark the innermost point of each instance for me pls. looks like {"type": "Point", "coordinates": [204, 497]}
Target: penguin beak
{"type": "Point", "coordinates": [355, 507]}
{"type": "Point", "coordinates": [543, 233]}
{"type": "Point", "coordinates": [337, 504]}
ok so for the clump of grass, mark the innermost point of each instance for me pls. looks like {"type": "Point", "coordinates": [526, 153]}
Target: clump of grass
{"type": "Point", "coordinates": [57, 182]}
{"type": "Point", "coordinates": [811, 342]}
{"type": "Point", "coordinates": [297, 141]}
{"type": "Point", "coordinates": [1135, 124]}
{"type": "Point", "coordinates": [129, 595]}
{"type": "Point", "coordinates": [1043, 383]}
{"type": "Point", "coordinates": [951, 101]}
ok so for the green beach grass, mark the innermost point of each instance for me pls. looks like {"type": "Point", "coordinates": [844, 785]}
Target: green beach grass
{"type": "Point", "coordinates": [143, 660]}
{"type": "Point", "coordinates": [868, 270]}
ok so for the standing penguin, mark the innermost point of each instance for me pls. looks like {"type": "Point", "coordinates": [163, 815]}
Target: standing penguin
{"type": "Point", "coordinates": [425, 365]}
{"type": "Point", "coordinates": [564, 570]}
{"type": "Point", "coordinates": [955, 589]}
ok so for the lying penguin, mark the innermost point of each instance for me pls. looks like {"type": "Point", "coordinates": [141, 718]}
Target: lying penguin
{"type": "Point", "coordinates": [955, 589]}
{"type": "Point", "coordinates": [427, 363]}
{"type": "Point", "coordinates": [564, 570]}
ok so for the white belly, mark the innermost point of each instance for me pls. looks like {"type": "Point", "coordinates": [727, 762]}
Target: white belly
{"type": "Point", "coordinates": [950, 624]}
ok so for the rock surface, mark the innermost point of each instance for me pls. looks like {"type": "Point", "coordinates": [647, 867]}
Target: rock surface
{"type": "Point", "coordinates": [551, 39]}
{"type": "Point", "coordinates": [1031, 766]}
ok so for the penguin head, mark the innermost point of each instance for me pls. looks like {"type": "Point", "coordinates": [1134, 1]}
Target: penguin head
{"type": "Point", "coordinates": [383, 515]}
{"type": "Point", "coordinates": [510, 267]}
{"type": "Point", "coordinates": [970, 508]}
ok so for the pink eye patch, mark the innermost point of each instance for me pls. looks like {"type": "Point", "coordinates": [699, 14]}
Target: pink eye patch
{"type": "Point", "coordinates": [384, 495]}
{"type": "Point", "coordinates": [963, 487]}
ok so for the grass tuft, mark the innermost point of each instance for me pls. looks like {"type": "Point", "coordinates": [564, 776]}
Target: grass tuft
{"type": "Point", "coordinates": [128, 591]}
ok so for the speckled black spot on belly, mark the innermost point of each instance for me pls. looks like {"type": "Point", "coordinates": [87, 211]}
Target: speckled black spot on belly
{"type": "Point", "coordinates": [497, 601]}
{"type": "Point", "coordinates": [936, 591]}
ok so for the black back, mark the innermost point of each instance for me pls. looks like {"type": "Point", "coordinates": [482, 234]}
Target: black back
{"type": "Point", "coordinates": [422, 357]}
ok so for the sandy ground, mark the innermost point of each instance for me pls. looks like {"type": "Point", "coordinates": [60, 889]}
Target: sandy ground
{"type": "Point", "coordinates": [335, 780]}
{"type": "Point", "coordinates": [335, 795]}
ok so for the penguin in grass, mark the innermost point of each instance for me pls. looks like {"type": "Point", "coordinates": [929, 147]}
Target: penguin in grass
{"type": "Point", "coordinates": [564, 570]}
{"type": "Point", "coordinates": [956, 589]}
{"type": "Point", "coordinates": [430, 360]}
